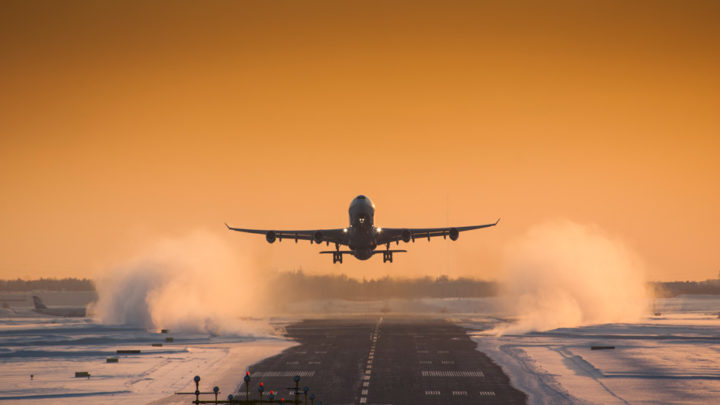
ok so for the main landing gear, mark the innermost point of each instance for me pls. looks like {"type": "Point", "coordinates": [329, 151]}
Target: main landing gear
{"type": "Point", "coordinates": [387, 256]}
{"type": "Point", "coordinates": [337, 257]}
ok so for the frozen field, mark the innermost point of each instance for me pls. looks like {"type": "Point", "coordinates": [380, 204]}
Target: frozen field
{"type": "Point", "coordinates": [53, 349]}
{"type": "Point", "coordinates": [671, 358]}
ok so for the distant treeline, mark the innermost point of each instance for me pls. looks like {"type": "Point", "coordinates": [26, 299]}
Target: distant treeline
{"type": "Point", "coordinates": [675, 288]}
{"type": "Point", "coordinates": [48, 284]}
{"type": "Point", "coordinates": [296, 285]}
{"type": "Point", "coordinates": [300, 286]}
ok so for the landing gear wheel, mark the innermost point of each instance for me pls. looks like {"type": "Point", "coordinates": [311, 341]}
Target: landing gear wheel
{"type": "Point", "coordinates": [387, 257]}
{"type": "Point", "coordinates": [337, 257]}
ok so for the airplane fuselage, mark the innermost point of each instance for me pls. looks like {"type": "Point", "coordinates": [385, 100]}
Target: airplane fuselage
{"type": "Point", "coordinates": [362, 234]}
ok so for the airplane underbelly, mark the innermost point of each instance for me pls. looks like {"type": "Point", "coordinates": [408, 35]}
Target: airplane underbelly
{"type": "Point", "coordinates": [362, 241]}
{"type": "Point", "coordinates": [363, 254]}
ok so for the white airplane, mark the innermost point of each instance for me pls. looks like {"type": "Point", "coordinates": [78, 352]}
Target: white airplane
{"type": "Point", "coordinates": [41, 308]}
{"type": "Point", "coordinates": [362, 236]}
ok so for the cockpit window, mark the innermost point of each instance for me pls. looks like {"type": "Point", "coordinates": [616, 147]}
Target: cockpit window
{"type": "Point", "coordinates": [360, 197]}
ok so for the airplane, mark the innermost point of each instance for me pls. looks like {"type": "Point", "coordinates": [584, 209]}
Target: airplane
{"type": "Point", "coordinates": [41, 308]}
{"type": "Point", "coordinates": [362, 236]}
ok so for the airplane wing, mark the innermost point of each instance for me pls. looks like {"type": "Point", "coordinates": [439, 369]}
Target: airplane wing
{"type": "Point", "coordinates": [318, 236]}
{"type": "Point", "coordinates": [388, 235]}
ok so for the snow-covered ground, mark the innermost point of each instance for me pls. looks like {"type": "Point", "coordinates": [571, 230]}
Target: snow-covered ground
{"type": "Point", "coordinates": [669, 358]}
{"type": "Point", "coordinates": [672, 357]}
{"type": "Point", "coordinates": [53, 349]}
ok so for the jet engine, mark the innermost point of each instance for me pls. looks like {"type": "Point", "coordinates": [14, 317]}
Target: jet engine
{"type": "Point", "coordinates": [270, 236]}
{"type": "Point", "coordinates": [453, 234]}
{"type": "Point", "coordinates": [405, 235]}
{"type": "Point", "coordinates": [318, 236]}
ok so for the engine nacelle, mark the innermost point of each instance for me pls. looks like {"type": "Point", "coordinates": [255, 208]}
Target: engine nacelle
{"type": "Point", "coordinates": [318, 236]}
{"type": "Point", "coordinates": [270, 236]}
{"type": "Point", "coordinates": [453, 234]}
{"type": "Point", "coordinates": [405, 236]}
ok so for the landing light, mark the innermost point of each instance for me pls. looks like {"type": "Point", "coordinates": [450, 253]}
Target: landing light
{"type": "Point", "coordinates": [345, 230]}
{"type": "Point", "coordinates": [379, 229]}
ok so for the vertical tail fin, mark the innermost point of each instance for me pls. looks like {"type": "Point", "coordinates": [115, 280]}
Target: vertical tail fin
{"type": "Point", "coordinates": [38, 303]}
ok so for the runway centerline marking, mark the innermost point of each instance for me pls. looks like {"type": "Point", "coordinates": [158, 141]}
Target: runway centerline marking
{"type": "Point", "coordinates": [368, 371]}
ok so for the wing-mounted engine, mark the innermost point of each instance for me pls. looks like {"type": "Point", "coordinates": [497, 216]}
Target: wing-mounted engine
{"type": "Point", "coordinates": [318, 237]}
{"type": "Point", "coordinates": [270, 236]}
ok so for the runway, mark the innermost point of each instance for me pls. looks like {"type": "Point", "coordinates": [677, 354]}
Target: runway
{"type": "Point", "coordinates": [390, 360]}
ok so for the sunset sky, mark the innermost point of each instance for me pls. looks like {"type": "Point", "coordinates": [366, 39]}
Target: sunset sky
{"type": "Point", "coordinates": [125, 122]}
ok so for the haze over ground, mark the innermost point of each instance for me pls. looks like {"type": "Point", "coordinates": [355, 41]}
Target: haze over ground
{"type": "Point", "coordinates": [125, 123]}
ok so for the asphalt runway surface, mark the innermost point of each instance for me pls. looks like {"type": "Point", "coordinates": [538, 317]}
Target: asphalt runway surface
{"type": "Point", "coordinates": [384, 360]}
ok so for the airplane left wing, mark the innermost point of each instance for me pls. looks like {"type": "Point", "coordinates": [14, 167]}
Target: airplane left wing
{"type": "Point", "coordinates": [338, 236]}
{"type": "Point", "coordinates": [388, 235]}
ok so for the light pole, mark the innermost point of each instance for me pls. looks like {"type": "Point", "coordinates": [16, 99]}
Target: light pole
{"type": "Point", "coordinates": [297, 389]}
{"type": "Point", "coordinates": [197, 389]}
{"type": "Point", "coordinates": [247, 385]}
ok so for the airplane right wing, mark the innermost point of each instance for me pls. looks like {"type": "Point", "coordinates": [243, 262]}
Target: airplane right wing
{"type": "Point", "coordinates": [388, 235]}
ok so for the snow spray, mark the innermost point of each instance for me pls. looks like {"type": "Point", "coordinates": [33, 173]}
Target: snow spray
{"type": "Point", "coordinates": [193, 283]}
{"type": "Point", "coordinates": [563, 274]}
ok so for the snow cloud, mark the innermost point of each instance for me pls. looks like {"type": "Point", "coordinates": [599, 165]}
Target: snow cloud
{"type": "Point", "coordinates": [193, 283]}
{"type": "Point", "coordinates": [564, 274]}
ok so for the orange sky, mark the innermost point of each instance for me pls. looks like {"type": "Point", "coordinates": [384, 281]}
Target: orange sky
{"type": "Point", "coordinates": [123, 122]}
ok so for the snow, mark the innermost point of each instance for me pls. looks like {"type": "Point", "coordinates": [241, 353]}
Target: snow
{"type": "Point", "coordinates": [672, 358]}
{"type": "Point", "coordinates": [53, 349]}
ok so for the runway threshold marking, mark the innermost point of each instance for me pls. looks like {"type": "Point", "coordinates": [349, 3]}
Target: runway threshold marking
{"type": "Point", "coordinates": [487, 393]}
{"type": "Point", "coordinates": [282, 373]}
{"type": "Point", "coordinates": [459, 393]}
{"type": "Point", "coordinates": [432, 392]}
{"type": "Point", "coordinates": [441, 373]}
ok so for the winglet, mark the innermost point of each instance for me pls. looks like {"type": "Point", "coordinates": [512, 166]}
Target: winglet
{"type": "Point", "coordinates": [226, 225]}
{"type": "Point", "coordinates": [496, 222]}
